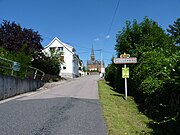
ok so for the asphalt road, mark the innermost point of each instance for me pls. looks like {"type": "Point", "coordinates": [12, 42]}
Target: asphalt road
{"type": "Point", "coordinates": [71, 108]}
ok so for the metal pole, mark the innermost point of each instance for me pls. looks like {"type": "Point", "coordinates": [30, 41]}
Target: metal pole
{"type": "Point", "coordinates": [12, 72]}
{"type": "Point", "coordinates": [35, 74]}
{"type": "Point", "coordinates": [101, 60]}
{"type": "Point", "coordinates": [42, 76]}
{"type": "Point", "coordinates": [125, 85]}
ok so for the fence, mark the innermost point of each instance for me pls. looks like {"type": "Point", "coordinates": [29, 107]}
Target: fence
{"type": "Point", "coordinates": [14, 68]}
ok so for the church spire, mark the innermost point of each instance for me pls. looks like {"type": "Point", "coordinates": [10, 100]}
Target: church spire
{"type": "Point", "coordinates": [92, 54]}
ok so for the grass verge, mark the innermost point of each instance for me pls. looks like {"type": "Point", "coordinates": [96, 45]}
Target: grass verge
{"type": "Point", "coordinates": [122, 116]}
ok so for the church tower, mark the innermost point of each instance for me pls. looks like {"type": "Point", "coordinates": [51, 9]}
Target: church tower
{"type": "Point", "coordinates": [94, 66]}
{"type": "Point", "coordinates": [92, 54]}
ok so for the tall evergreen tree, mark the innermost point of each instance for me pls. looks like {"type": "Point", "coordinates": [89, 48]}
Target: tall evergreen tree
{"type": "Point", "coordinates": [174, 31]}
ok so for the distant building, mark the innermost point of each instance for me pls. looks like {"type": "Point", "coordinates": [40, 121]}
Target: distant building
{"type": "Point", "coordinates": [70, 66]}
{"type": "Point", "coordinates": [94, 65]}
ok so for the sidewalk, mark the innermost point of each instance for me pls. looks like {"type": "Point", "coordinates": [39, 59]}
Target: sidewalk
{"type": "Point", "coordinates": [53, 84]}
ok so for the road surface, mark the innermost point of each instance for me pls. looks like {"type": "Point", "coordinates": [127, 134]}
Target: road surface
{"type": "Point", "coordinates": [71, 108]}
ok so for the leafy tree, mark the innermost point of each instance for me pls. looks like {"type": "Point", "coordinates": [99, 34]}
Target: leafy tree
{"type": "Point", "coordinates": [13, 37]}
{"type": "Point", "coordinates": [49, 63]}
{"type": "Point", "coordinates": [110, 74]}
{"type": "Point", "coordinates": [174, 31]}
{"type": "Point", "coordinates": [137, 38]}
{"type": "Point", "coordinates": [20, 57]}
{"type": "Point", "coordinates": [22, 45]}
{"type": "Point", "coordinates": [155, 77]}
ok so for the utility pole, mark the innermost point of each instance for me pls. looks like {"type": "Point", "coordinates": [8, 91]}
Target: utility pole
{"type": "Point", "coordinates": [100, 59]}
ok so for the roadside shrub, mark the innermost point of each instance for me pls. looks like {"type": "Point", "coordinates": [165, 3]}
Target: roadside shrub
{"type": "Point", "coordinates": [110, 74]}
{"type": "Point", "coordinates": [155, 79]}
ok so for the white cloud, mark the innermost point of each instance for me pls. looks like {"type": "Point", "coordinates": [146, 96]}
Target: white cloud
{"type": "Point", "coordinates": [108, 36]}
{"type": "Point", "coordinates": [97, 39]}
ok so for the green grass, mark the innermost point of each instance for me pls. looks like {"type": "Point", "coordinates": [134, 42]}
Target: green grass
{"type": "Point", "coordinates": [122, 116]}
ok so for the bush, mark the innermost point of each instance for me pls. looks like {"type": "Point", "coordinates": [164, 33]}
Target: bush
{"type": "Point", "coordinates": [20, 57]}
{"type": "Point", "coordinates": [48, 65]}
{"type": "Point", "coordinates": [155, 78]}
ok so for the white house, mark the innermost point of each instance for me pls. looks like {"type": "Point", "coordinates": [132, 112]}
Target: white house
{"type": "Point", "coordinates": [70, 67]}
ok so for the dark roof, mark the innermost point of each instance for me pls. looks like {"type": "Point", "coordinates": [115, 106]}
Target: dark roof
{"type": "Point", "coordinates": [96, 62]}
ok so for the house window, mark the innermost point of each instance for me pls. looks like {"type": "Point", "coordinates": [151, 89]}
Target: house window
{"type": "Point", "coordinates": [52, 49]}
{"type": "Point", "coordinates": [62, 58]}
{"type": "Point", "coordinates": [64, 67]}
{"type": "Point", "coordinates": [60, 48]}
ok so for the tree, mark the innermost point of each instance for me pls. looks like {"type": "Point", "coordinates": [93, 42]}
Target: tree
{"type": "Point", "coordinates": [113, 75]}
{"type": "Point", "coordinates": [13, 38]}
{"type": "Point", "coordinates": [137, 38]}
{"type": "Point", "coordinates": [174, 31]}
{"type": "Point", "coordinates": [155, 77]}
{"type": "Point", "coordinates": [22, 44]}
{"type": "Point", "coordinates": [49, 63]}
{"type": "Point", "coordinates": [20, 57]}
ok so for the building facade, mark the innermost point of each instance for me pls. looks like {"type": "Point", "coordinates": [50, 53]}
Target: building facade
{"type": "Point", "coordinates": [70, 60]}
{"type": "Point", "coordinates": [94, 65]}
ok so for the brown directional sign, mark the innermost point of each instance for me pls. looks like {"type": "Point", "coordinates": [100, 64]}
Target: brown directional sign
{"type": "Point", "coordinates": [131, 60]}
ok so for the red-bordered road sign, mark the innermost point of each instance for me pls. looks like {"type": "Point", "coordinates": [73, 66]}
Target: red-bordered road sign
{"type": "Point", "coordinates": [131, 60]}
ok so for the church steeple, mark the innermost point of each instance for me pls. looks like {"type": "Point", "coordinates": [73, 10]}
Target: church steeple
{"type": "Point", "coordinates": [92, 54]}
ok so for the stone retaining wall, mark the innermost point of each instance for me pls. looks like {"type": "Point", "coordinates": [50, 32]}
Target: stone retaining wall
{"type": "Point", "coordinates": [11, 86]}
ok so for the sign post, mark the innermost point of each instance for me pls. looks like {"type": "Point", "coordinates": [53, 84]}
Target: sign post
{"type": "Point", "coordinates": [125, 84]}
{"type": "Point", "coordinates": [15, 67]}
{"type": "Point", "coordinates": [125, 59]}
{"type": "Point", "coordinates": [125, 75]}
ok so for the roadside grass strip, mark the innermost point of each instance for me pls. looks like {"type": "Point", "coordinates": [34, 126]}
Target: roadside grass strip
{"type": "Point", "coordinates": [122, 116]}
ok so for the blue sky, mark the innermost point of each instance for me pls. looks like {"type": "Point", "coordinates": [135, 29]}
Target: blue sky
{"type": "Point", "coordinates": [82, 23]}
